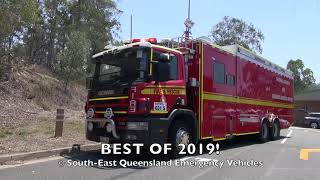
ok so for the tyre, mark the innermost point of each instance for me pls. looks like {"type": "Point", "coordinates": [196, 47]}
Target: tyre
{"type": "Point", "coordinates": [264, 132]}
{"type": "Point", "coordinates": [275, 131]}
{"type": "Point", "coordinates": [179, 133]}
{"type": "Point", "coordinates": [314, 125]}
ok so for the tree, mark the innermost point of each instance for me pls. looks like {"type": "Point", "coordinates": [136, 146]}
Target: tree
{"type": "Point", "coordinates": [97, 19]}
{"type": "Point", "coordinates": [15, 17]}
{"type": "Point", "coordinates": [35, 41]}
{"type": "Point", "coordinates": [55, 9]}
{"type": "Point", "coordinates": [45, 32]}
{"type": "Point", "coordinates": [74, 57]}
{"type": "Point", "coordinates": [236, 31]}
{"type": "Point", "coordinates": [41, 32]}
{"type": "Point", "coordinates": [303, 77]}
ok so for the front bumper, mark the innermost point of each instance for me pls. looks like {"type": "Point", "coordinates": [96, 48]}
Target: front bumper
{"type": "Point", "coordinates": [156, 131]}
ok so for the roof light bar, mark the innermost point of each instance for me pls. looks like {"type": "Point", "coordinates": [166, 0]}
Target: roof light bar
{"type": "Point", "coordinates": [150, 40]}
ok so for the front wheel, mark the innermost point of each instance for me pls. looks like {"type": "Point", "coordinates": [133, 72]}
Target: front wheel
{"type": "Point", "coordinates": [179, 133]}
{"type": "Point", "coordinates": [314, 125]}
{"type": "Point", "coordinates": [264, 132]}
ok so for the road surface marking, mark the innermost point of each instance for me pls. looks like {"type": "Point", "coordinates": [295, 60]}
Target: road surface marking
{"type": "Point", "coordinates": [275, 160]}
{"type": "Point", "coordinates": [288, 135]}
{"type": "Point", "coordinates": [295, 127]}
{"type": "Point", "coordinates": [304, 153]}
{"type": "Point", "coordinates": [31, 162]}
{"type": "Point", "coordinates": [205, 171]}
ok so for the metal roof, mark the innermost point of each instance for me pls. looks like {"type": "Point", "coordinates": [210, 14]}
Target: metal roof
{"type": "Point", "coordinates": [145, 44]}
{"type": "Point", "coordinates": [248, 55]}
{"type": "Point", "coordinates": [255, 58]}
{"type": "Point", "coordinates": [312, 95]}
{"type": "Point", "coordinates": [141, 44]}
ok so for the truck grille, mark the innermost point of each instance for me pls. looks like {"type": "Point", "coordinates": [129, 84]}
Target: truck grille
{"type": "Point", "coordinates": [111, 101]}
{"type": "Point", "coordinates": [118, 105]}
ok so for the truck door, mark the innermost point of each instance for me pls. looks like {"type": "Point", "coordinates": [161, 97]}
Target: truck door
{"type": "Point", "coordinates": [171, 88]}
{"type": "Point", "coordinates": [220, 90]}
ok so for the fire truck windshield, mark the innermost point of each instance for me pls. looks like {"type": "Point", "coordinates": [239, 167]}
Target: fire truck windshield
{"type": "Point", "coordinates": [121, 67]}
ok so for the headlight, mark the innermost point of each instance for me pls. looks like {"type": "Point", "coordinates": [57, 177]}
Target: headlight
{"type": "Point", "coordinates": [90, 126]}
{"type": "Point", "coordinates": [137, 125]}
{"type": "Point", "coordinates": [90, 113]}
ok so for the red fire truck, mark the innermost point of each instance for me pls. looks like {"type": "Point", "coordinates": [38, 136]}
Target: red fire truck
{"type": "Point", "coordinates": [183, 91]}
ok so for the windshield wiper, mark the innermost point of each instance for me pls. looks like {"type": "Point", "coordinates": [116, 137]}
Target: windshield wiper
{"type": "Point", "coordinates": [115, 83]}
{"type": "Point", "coordinates": [108, 73]}
{"type": "Point", "coordinates": [123, 78]}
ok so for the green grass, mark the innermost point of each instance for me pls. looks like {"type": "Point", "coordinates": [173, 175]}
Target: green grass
{"type": "Point", "coordinates": [74, 126]}
{"type": "Point", "coordinates": [26, 131]}
{"type": "Point", "coordinates": [20, 132]}
{"type": "Point", "coordinates": [48, 130]}
{"type": "Point", "coordinates": [6, 132]}
{"type": "Point", "coordinates": [44, 128]}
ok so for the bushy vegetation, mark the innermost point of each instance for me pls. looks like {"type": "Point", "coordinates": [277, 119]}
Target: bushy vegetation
{"type": "Point", "coordinates": [61, 35]}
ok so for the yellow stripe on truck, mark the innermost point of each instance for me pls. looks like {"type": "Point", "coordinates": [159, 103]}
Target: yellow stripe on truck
{"type": "Point", "coordinates": [108, 98]}
{"type": "Point", "coordinates": [116, 112]}
{"type": "Point", "coordinates": [243, 100]}
{"type": "Point", "coordinates": [164, 91]}
{"type": "Point", "coordinates": [158, 112]}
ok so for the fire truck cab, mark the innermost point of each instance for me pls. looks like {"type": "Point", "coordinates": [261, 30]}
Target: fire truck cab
{"type": "Point", "coordinates": [183, 91]}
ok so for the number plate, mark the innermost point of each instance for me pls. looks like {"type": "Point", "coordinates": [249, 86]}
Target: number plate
{"type": "Point", "coordinates": [160, 106]}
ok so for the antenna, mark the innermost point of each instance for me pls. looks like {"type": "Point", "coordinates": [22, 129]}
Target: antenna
{"type": "Point", "coordinates": [188, 23]}
{"type": "Point", "coordinates": [189, 10]}
{"type": "Point", "coordinates": [131, 27]}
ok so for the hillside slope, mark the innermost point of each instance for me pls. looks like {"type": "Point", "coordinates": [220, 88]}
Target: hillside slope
{"type": "Point", "coordinates": [33, 94]}
{"type": "Point", "coordinates": [28, 103]}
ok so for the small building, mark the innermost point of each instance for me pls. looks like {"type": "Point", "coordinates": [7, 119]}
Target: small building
{"type": "Point", "coordinates": [308, 101]}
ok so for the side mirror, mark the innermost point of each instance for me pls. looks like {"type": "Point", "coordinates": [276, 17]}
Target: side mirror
{"type": "Point", "coordinates": [164, 57]}
{"type": "Point", "coordinates": [161, 70]}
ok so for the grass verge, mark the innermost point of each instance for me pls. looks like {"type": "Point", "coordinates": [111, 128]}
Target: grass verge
{"type": "Point", "coordinates": [40, 136]}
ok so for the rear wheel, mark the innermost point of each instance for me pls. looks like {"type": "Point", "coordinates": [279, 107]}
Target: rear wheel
{"type": "Point", "coordinates": [179, 133]}
{"type": "Point", "coordinates": [314, 125]}
{"type": "Point", "coordinates": [275, 131]}
{"type": "Point", "coordinates": [264, 132]}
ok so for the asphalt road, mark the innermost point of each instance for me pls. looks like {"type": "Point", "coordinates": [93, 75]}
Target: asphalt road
{"type": "Point", "coordinates": [273, 160]}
